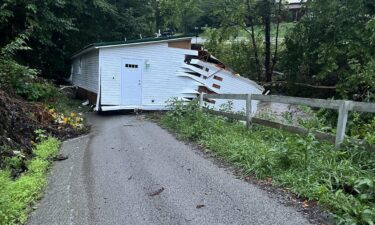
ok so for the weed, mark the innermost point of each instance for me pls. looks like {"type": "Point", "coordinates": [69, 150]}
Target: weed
{"type": "Point", "coordinates": [17, 196]}
{"type": "Point", "coordinates": [33, 91]}
{"type": "Point", "coordinates": [40, 135]}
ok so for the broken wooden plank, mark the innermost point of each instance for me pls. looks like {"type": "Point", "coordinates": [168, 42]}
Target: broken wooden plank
{"type": "Point", "coordinates": [225, 114]}
{"type": "Point", "coordinates": [271, 124]}
{"type": "Point", "coordinates": [227, 96]}
{"type": "Point", "coordinates": [319, 103]}
{"type": "Point", "coordinates": [294, 129]}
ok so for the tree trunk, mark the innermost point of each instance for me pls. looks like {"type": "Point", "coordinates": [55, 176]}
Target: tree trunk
{"type": "Point", "coordinates": [267, 36]}
{"type": "Point", "coordinates": [255, 48]}
{"type": "Point", "coordinates": [254, 42]}
{"type": "Point", "coordinates": [274, 59]}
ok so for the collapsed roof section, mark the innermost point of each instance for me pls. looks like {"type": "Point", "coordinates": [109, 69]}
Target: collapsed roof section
{"type": "Point", "coordinates": [213, 76]}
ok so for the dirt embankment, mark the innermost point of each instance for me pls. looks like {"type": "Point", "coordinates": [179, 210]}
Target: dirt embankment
{"type": "Point", "coordinates": [20, 119]}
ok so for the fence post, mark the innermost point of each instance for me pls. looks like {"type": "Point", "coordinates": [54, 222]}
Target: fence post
{"type": "Point", "coordinates": [248, 110]}
{"type": "Point", "coordinates": [201, 100]}
{"type": "Point", "coordinates": [341, 123]}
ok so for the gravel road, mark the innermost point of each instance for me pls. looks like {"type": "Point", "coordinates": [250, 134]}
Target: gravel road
{"type": "Point", "coordinates": [130, 171]}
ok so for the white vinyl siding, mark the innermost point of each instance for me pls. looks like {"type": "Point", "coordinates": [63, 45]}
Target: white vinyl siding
{"type": "Point", "coordinates": [86, 71]}
{"type": "Point", "coordinates": [234, 85]}
{"type": "Point", "coordinates": [159, 82]}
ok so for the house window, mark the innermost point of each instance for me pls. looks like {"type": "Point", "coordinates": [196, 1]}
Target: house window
{"type": "Point", "coordinates": [132, 66]}
{"type": "Point", "coordinates": [80, 65]}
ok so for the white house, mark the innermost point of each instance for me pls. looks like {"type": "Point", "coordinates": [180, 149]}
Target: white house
{"type": "Point", "coordinates": [146, 73]}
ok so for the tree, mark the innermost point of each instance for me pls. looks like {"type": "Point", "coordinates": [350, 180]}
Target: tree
{"type": "Point", "coordinates": [245, 15]}
{"type": "Point", "coordinates": [180, 15]}
{"type": "Point", "coordinates": [59, 28]}
{"type": "Point", "coordinates": [41, 21]}
{"type": "Point", "coordinates": [266, 16]}
{"type": "Point", "coordinates": [333, 45]}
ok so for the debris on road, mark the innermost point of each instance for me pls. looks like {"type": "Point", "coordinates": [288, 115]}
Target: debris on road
{"type": "Point", "coordinates": [200, 206]}
{"type": "Point", "coordinates": [60, 157]}
{"type": "Point", "coordinates": [158, 192]}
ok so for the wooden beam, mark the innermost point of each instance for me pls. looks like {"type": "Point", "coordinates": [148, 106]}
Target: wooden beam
{"type": "Point", "coordinates": [342, 106]}
{"type": "Point", "coordinates": [341, 122]}
{"type": "Point", "coordinates": [319, 103]}
{"type": "Point", "coordinates": [293, 129]}
{"type": "Point", "coordinates": [248, 111]}
{"type": "Point", "coordinates": [201, 100]}
{"type": "Point", "coordinates": [228, 115]}
{"type": "Point", "coordinates": [362, 107]}
{"type": "Point", "coordinates": [271, 124]}
{"type": "Point", "coordinates": [227, 96]}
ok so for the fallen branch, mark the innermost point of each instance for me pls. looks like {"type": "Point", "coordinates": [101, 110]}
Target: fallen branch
{"type": "Point", "coordinates": [66, 87]}
{"type": "Point", "coordinates": [158, 192]}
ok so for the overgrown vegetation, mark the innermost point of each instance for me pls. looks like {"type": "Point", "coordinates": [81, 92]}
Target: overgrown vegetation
{"type": "Point", "coordinates": [360, 126]}
{"type": "Point", "coordinates": [342, 180]}
{"type": "Point", "coordinates": [31, 107]}
{"type": "Point", "coordinates": [17, 196]}
{"type": "Point", "coordinates": [233, 46]}
{"type": "Point", "coordinates": [333, 45]}
{"type": "Point", "coordinates": [28, 115]}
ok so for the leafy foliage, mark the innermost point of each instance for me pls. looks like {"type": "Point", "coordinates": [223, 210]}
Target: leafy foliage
{"type": "Point", "coordinates": [73, 119]}
{"type": "Point", "coordinates": [36, 91]}
{"type": "Point", "coordinates": [334, 45]}
{"type": "Point", "coordinates": [234, 50]}
{"type": "Point", "coordinates": [233, 46]}
{"type": "Point", "coordinates": [342, 180]}
{"type": "Point", "coordinates": [11, 72]}
{"type": "Point", "coordinates": [60, 28]}
{"type": "Point", "coordinates": [244, 15]}
{"type": "Point", "coordinates": [180, 15]}
{"type": "Point", "coordinates": [17, 196]}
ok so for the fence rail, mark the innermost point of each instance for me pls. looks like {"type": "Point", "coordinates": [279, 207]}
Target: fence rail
{"type": "Point", "coordinates": [342, 106]}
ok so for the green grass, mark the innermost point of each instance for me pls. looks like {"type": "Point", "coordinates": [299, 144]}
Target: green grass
{"type": "Point", "coordinates": [341, 180]}
{"type": "Point", "coordinates": [18, 196]}
{"type": "Point", "coordinates": [284, 28]}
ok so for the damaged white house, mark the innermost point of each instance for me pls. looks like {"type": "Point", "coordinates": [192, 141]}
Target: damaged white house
{"type": "Point", "coordinates": [144, 74]}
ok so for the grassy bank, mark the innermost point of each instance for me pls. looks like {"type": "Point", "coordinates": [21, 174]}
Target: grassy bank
{"type": "Point", "coordinates": [17, 196]}
{"type": "Point", "coordinates": [341, 180]}
{"type": "Point", "coordinates": [284, 28]}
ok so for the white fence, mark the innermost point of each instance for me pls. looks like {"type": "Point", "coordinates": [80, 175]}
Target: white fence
{"type": "Point", "coordinates": [342, 106]}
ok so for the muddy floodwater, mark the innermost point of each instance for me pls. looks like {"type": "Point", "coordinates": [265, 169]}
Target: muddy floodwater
{"type": "Point", "coordinates": [278, 112]}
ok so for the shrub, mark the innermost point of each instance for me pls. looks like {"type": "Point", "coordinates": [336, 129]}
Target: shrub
{"type": "Point", "coordinates": [36, 91]}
